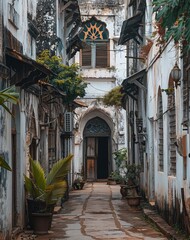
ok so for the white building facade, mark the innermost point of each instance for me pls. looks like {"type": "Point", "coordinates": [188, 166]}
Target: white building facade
{"type": "Point", "coordinates": [99, 130]}
{"type": "Point", "coordinates": [163, 106]}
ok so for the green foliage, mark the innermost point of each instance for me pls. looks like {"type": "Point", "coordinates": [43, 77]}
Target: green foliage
{"type": "Point", "coordinates": [120, 157]}
{"type": "Point", "coordinates": [174, 18]}
{"type": "Point", "coordinates": [132, 173]}
{"type": "Point", "coordinates": [113, 97]}
{"type": "Point", "coordinates": [66, 78]}
{"type": "Point", "coordinates": [4, 164]}
{"type": "Point", "coordinates": [8, 95]}
{"type": "Point", "coordinates": [47, 188]}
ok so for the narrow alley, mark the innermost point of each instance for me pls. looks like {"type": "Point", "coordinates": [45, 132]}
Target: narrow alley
{"type": "Point", "coordinates": [98, 212]}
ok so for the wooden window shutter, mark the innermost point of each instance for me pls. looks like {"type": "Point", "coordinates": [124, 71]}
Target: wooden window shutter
{"type": "Point", "coordinates": [172, 133]}
{"type": "Point", "coordinates": [102, 55]}
{"type": "Point", "coordinates": [86, 56]}
{"type": "Point", "coordinates": [186, 79]}
{"type": "Point", "coordinates": [160, 134]}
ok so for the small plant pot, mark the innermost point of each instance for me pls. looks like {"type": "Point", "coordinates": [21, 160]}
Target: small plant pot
{"type": "Point", "coordinates": [41, 222]}
{"type": "Point", "coordinates": [111, 182]}
{"type": "Point", "coordinates": [78, 185]}
{"type": "Point", "coordinates": [133, 201]}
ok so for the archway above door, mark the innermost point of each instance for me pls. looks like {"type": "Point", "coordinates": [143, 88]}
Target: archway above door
{"type": "Point", "coordinates": [97, 148]}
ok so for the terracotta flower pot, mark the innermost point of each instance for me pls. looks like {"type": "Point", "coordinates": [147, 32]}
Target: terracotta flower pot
{"type": "Point", "coordinates": [133, 201]}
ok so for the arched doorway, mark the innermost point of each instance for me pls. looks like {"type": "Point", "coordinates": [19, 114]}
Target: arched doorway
{"type": "Point", "coordinates": [97, 149]}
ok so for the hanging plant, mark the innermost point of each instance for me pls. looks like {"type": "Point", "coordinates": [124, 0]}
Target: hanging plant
{"type": "Point", "coordinates": [113, 97]}
{"type": "Point", "coordinates": [145, 49]}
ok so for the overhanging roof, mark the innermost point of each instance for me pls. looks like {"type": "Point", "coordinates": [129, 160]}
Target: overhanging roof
{"type": "Point", "coordinates": [130, 27]}
{"type": "Point", "coordinates": [25, 71]}
{"type": "Point", "coordinates": [135, 76]}
{"type": "Point", "coordinates": [79, 103]}
{"type": "Point", "coordinates": [133, 82]}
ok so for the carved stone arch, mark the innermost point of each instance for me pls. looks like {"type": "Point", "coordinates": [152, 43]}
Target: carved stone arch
{"type": "Point", "coordinates": [96, 128]}
{"type": "Point", "coordinates": [94, 30]}
{"type": "Point", "coordinates": [95, 112]}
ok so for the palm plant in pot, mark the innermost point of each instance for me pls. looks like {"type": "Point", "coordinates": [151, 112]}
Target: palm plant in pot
{"type": "Point", "coordinates": [44, 191]}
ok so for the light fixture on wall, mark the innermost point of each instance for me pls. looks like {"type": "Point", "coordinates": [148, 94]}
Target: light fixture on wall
{"type": "Point", "coordinates": [176, 75]}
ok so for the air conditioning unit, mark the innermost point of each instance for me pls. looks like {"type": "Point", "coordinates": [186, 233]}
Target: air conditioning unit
{"type": "Point", "coordinates": [68, 122]}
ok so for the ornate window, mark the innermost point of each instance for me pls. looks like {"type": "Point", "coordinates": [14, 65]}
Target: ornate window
{"type": "Point", "coordinates": [96, 52]}
{"type": "Point", "coordinates": [97, 127]}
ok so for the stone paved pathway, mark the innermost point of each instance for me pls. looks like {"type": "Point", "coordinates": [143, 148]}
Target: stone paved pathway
{"type": "Point", "coordinates": [97, 212]}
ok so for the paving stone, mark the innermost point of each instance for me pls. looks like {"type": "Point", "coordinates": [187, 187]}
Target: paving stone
{"type": "Point", "coordinates": [98, 212]}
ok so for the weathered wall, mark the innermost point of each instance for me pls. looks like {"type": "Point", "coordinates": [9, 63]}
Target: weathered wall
{"type": "Point", "coordinates": [167, 187]}
{"type": "Point", "coordinates": [19, 30]}
{"type": "Point", "coordinates": [101, 80]}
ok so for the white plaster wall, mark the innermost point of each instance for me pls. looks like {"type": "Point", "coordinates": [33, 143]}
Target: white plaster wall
{"type": "Point", "coordinates": [6, 176]}
{"type": "Point", "coordinates": [102, 80]}
{"type": "Point", "coordinates": [159, 69]}
{"type": "Point", "coordinates": [21, 34]}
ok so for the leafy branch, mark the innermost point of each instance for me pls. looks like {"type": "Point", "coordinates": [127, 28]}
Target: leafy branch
{"type": "Point", "coordinates": [66, 78]}
{"type": "Point", "coordinates": [173, 16]}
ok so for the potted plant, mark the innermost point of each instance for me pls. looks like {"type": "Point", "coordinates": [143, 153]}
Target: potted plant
{"type": "Point", "coordinates": [79, 182]}
{"type": "Point", "coordinates": [130, 190]}
{"type": "Point", "coordinates": [114, 178]}
{"type": "Point", "coordinates": [44, 192]}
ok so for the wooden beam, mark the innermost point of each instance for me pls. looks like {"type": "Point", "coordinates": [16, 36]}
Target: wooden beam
{"type": "Point", "coordinates": [66, 5]}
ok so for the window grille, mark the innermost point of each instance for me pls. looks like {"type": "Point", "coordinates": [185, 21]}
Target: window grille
{"type": "Point", "coordinates": [68, 122]}
{"type": "Point", "coordinates": [186, 84]}
{"type": "Point", "coordinates": [172, 133]}
{"type": "Point", "coordinates": [160, 134]}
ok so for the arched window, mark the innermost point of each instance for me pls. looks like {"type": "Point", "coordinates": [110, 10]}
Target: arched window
{"type": "Point", "coordinates": [172, 130]}
{"type": "Point", "coordinates": [160, 134]}
{"type": "Point", "coordinates": [95, 54]}
{"type": "Point", "coordinates": [185, 89]}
